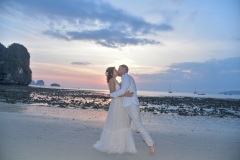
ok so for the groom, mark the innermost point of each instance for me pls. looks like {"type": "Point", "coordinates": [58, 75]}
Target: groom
{"type": "Point", "coordinates": [132, 104]}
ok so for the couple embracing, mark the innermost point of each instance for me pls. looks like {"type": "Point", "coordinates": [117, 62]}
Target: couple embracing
{"type": "Point", "coordinates": [116, 136]}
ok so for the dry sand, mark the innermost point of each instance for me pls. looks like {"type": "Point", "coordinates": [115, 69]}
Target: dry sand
{"type": "Point", "coordinates": [30, 132]}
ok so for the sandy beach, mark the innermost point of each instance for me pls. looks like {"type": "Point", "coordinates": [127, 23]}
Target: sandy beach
{"type": "Point", "coordinates": [30, 132]}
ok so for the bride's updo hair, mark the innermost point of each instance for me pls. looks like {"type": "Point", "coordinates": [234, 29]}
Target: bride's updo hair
{"type": "Point", "coordinates": [109, 73]}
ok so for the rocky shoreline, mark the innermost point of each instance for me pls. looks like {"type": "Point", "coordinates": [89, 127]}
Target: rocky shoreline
{"type": "Point", "coordinates": [85, 99]}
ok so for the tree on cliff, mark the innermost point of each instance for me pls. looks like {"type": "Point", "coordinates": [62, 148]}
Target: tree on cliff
{"type": "Point", "coordinates": [15, 65]}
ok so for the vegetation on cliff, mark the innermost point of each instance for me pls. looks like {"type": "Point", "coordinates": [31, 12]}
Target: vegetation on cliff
{"type": "Point", "coordinates": [14, 65]}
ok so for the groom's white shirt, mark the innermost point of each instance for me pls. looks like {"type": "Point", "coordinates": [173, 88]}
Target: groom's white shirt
{"type": "Point", "coordinates": [128, 84]}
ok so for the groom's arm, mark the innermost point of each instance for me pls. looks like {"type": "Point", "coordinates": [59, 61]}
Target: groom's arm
{"type": "Point", "coordinates": [124, 88]}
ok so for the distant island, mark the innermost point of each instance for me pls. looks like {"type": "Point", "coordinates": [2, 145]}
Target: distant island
{"type": "Point", "coordinates": [230, 92]}
{"type": "Point", "coordinates": [38, 83]}
{"type": "Point", "coordinates": [55, 85]}
{"type": "Point", "coordinates": [41, 83]}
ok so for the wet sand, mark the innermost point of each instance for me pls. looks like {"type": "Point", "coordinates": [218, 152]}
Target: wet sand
{"type": "Point", "coordinates": [30, 132]}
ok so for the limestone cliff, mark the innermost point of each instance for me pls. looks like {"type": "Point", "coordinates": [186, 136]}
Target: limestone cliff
{"type": "Point", "coordinates": [14, 65]}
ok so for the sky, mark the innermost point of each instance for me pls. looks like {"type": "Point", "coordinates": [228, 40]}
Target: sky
{"type": "Point", "coordinates": [185, 45]}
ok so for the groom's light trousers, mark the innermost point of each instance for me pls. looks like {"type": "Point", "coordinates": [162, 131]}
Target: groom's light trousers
{"type": "Point", "coordinates": [134, 113]}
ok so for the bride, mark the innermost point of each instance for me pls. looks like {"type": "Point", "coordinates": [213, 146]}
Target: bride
{"type": "Point", "coordinates": [116, 136]}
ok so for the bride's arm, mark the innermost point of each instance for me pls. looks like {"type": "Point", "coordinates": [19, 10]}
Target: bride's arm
{"type": "Point", "coordinates": [112, 85]}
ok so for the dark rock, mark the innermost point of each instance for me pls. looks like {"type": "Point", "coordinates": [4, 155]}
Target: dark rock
{"type": "Point", "coordinates": [85, 107]}
{"type": "Point", "coordinates": [40, 83]}
{"type": "Point", "coordinates": [62, 106]}
{"type": "Point", "coordinates": [55, 85]}
{"type": "Point", "coordinates": [14, 65]}
{"type": "Point", "coordinates": [183, 112]}
{"type": "Point", "coordinates": [57, 97]}
{"type": "Point", "coordinates": [32, 83]}
{"type": "Point", "coordinates": [150, 109]}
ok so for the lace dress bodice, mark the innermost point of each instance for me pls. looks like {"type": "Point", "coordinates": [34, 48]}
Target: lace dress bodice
{"type": "Point", "coordinates": [117, 85]}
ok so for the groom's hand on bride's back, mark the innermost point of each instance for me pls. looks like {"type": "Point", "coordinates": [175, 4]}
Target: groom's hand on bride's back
{"type": "Point", "coordinates": [128, 94]}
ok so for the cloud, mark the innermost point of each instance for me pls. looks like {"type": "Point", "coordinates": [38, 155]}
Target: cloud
{"type": "Point", "coordinates": [81, 63]}
{"type": "Point", "coordinates": [112, 39]}
{"type": "Point", "coordinates": [209, 76]}
{"type": "Point", "coordinates": [87, 20]}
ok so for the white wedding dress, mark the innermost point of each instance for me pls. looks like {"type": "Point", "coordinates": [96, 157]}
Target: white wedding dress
{"type": "Point", "coordinates": [116, 136]}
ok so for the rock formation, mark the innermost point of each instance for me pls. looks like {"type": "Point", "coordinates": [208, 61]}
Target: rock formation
{"type": "Point", "coordinates": [33, 83]}
{"type": "Point", "coordinates": [55, 85]}
{"type": "Point", "coordinates": [14, 65]}
{"type": "Point", "coordinates": [40, 83]}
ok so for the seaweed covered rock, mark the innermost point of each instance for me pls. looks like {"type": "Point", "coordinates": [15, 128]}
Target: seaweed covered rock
{"type": "Point", "coordinates": [14, 65]}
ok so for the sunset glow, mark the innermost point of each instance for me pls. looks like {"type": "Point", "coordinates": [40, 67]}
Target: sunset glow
{"type": "Point", "coordinates": [189, 44]}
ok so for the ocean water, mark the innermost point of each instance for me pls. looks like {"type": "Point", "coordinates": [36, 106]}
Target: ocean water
{"type": "Point", "coordinates": [178, 94]}
{"type": "Point", "coordinates": [156, 93]}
